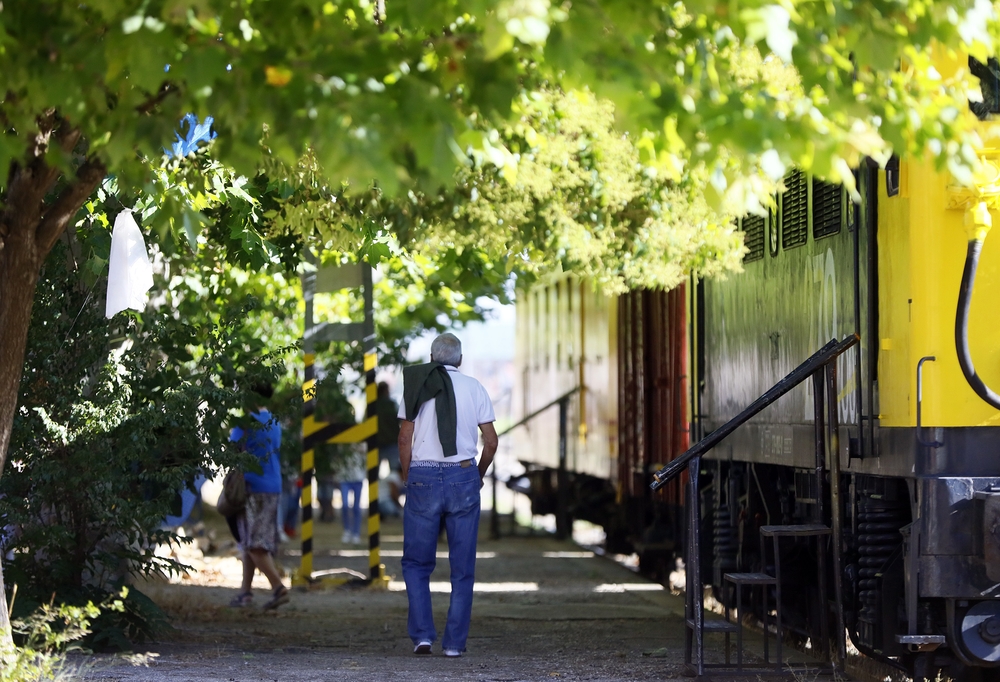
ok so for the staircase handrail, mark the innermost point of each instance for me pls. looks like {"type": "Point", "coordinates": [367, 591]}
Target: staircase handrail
{"type": "Point", "coordinates": [537, 412]}
{"type": "Point", "coordinates": [827, 353]}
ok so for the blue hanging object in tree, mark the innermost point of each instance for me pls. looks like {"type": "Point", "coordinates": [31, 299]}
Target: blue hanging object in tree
{"type": "Point", "coordinates": [196, 133]}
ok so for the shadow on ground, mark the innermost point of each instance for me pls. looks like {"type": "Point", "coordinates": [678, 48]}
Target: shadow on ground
{"type": "Point", "coordinates": [543, 609]}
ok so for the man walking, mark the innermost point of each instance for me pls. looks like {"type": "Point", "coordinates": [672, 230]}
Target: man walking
{"type": "Point", "coordinates": [442, 413]}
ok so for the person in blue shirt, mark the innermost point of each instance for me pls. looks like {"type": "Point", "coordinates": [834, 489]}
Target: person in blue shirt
{"type": "Point", "coordinates": [258, 522]}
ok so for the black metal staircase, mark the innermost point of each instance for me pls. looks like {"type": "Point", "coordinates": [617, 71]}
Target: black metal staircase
{"type": "Point", "coordinates": [821, 367]}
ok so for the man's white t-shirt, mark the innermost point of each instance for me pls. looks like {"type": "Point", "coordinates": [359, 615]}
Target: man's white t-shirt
{"type": "Point", "coordinates": [473, 407]}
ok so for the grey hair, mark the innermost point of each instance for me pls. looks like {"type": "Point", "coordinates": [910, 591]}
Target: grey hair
{"type": "Point", "coordinates": [447, 350]}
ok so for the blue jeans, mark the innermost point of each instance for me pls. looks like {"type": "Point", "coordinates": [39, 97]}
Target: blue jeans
{"type": "Point", "coordinates": [351, 516]}
{"type": "Point", "coordinates": [433, 493]}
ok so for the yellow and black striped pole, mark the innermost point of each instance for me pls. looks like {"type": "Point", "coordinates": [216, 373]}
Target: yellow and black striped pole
{"type": "Point", "coordinates": [315, 432]}
{"type": "Point", "coordinates": [309, 426]}
{"type": "Point", "coordinates": [308, 423]}
{"type": "Point", "coordinates": [374, 516]}
{"type": "Point", "coordinates": [376, 571]}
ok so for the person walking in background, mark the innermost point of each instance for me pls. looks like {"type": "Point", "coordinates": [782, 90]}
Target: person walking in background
{"type": "Point", "coordinates": [334, 407]}
{"type": "Point", "coordinates": [289, 512]}
{"type": "Point", "coordinates": [291, 491]}
{"type": "Point", "coordinates": [387, 438]}
{"type": "Point", "coordinates": [257, 524]}
{"type": "Point", "coordinates": [389, 490]}
{"type": "Point", "coordinates": [442, 413]}
{"type": "Point", "coordinates": [387, 442]}
{"type": "Point", "coordinates": [350, 471]}
{"type": "Point", "coordinates": [326, 480]}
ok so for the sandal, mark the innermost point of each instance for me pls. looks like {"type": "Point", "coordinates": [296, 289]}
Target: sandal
{"type": "Point", "coordinates": [242, 600]}
{"type": "Point", "coordinates": [278, 597]}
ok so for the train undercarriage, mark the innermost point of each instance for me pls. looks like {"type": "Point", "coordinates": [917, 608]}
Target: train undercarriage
{"type": "Point", "coordinates": [917, 555]}
{"type": "Point", "coordinates": [917, 574]}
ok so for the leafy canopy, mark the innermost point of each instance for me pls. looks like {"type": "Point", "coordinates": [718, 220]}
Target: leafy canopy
{"type": "Point", "coordinates": [385, 98]}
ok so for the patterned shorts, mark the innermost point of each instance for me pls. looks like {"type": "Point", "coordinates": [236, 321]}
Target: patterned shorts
{"type": "Point", "coordinates": [258, 524]}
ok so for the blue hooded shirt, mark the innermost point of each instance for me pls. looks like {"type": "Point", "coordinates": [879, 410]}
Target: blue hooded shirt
{"type": "Point", "coordinates": [263, 442]}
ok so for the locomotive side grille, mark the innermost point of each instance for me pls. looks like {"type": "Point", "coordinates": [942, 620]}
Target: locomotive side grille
{"type": "Point", "coordinates": [753, 237]}
{"type": "Point", "coordinates": [828, 209]}
{"type": "Point", "coordinates": [794, 210]}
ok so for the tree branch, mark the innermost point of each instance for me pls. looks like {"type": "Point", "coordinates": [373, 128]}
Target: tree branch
{"type": "Point", "coordinates": [150, 104]}
{"type": "Point", "coordinates": [66, 136]}
{"type": "Point", "coordinates": [28, 183]}
{"type": "Point", "coordinates": [62, 210]}
{"type": "Point", "coordinates": [31, 182]}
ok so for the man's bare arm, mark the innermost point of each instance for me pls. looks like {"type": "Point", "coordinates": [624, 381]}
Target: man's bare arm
{"type": "Point", "coordinates": [490, 442]}
{"type": "Point", "coordinates": [405, 442]}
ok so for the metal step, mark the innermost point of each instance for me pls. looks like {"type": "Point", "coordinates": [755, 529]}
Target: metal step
{"type": "Point", "coordinates": [800, 530]}
{"type": "Point", "coordinates": [750, 578]}
{"type": "Point", "coordinates": [714, 625]}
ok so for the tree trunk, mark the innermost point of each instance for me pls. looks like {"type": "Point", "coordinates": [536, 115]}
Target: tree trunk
{"type": "Point", "coordinates": [20, 262]}
{"type": "Point", "coordinates": [6, 636]}
{"type": "Point", "coordinates": [28, 229]}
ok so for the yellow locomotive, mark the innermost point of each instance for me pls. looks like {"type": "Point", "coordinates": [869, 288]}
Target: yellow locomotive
{"type": "Point", "coordinates": [915, 507]}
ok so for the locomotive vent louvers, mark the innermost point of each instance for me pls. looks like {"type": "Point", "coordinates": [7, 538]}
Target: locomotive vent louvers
{"type": "Point", "coordinates": [989, 83]}
{"type": "Point", "coordinates": [753, 237]}
{"type": "Point", "coordinates": [828, 209]}
{"type": "Point", "coordinates": [795, 210]}
{"type": "Point", "coordinates": [879, 521]}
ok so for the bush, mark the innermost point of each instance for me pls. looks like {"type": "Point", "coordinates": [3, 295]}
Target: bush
{"type": "Point", "coordinates": [114, 419]}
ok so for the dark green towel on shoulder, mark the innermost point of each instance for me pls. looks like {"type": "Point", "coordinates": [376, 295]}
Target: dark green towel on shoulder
{"type": "Point", "coordinates": [430, 381]}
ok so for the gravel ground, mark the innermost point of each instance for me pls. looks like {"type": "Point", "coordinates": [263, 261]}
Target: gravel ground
{"type": "Point", "coordinates": [544, 610]}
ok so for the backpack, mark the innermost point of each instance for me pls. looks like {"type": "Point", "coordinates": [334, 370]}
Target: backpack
{"type": "Point", "coordinates": [233, 498]}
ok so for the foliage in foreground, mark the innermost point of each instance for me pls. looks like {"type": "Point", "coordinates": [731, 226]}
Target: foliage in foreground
{"type": "Point", "coordinates": [383, 95]}
{"type": "Point", "coordinates": [221, 237]}
{"type": "Point", "coordinates": [585, 198]}
{"type": "Point", "coordinates": [559, 188]}
{"type": "Point", "coordinates": [48, 633]}
{"type": "Point", "coordinates": [114, 421]}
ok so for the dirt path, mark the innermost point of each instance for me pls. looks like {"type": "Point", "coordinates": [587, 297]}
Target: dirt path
{"type": "Point", "coordinates": [543, 610]}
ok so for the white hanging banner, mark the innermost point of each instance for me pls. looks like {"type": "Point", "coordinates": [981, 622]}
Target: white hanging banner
{"type": "Point", "coordinates": [130, 274]}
